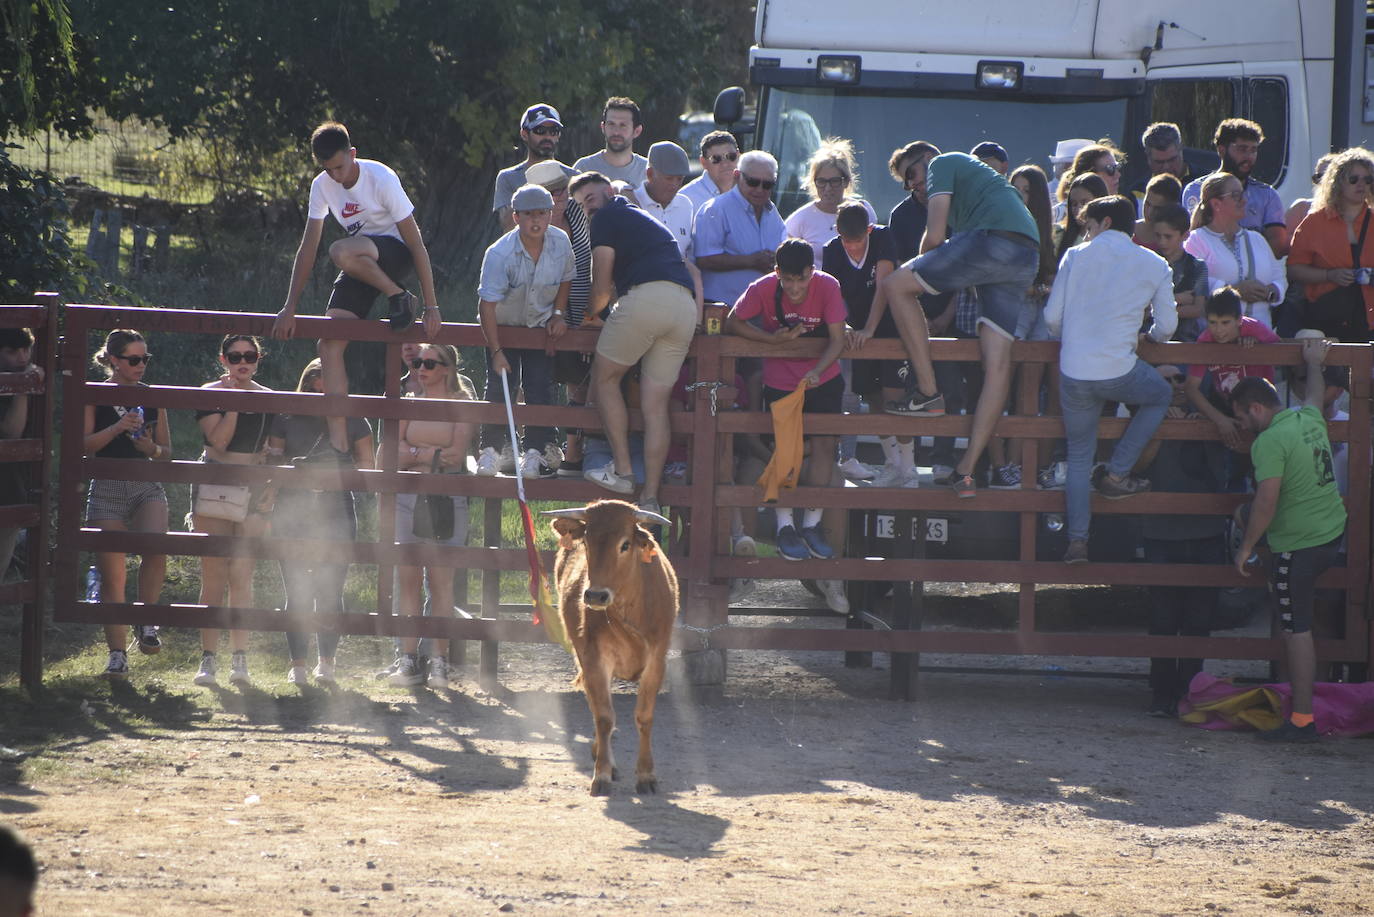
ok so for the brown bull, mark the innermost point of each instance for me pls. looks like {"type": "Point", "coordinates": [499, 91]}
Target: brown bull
{"type": "Point", "coordinates": [617, 594]}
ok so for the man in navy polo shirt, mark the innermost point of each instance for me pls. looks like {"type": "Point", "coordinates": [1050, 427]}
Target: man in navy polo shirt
{"type": "Point", "coordinates": [636, 261]}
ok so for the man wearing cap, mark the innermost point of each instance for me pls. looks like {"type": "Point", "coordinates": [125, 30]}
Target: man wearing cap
{"type": "Point", "coordinates": [734, 235]}
{"type": "Point", "coordinates": [525, 279]}
{"type": "Point", "coordinates": [992, 155]}
{"type": "Point", "coordinates": [659, 195]}
{"type": "Point", "coordinates": [1064, 152]}
{"type": "Point", "coordinates": [719, 153]}
{"type": "Point", "coordinates": [636, 261]}
{"type": "Point", "coordinates": [621, 124]}
{"type": "Point", "coordinates": [571, 368]}
{"type": "Point", "coordinates": [540, 128]}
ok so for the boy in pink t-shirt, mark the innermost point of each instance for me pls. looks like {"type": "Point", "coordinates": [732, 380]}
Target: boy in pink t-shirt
{"type": "Point", "coordinates": [794, 301]}
{"type": "Point", "coordinates": [1227, 325]}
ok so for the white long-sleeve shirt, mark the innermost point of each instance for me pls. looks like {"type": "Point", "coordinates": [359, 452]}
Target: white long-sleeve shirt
{"type": "Point", "coordinates": [1227, 264]}
{"type": "Point", "coordinates": [1098, 302]}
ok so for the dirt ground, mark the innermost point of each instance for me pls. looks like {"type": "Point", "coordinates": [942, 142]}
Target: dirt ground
{"type": "Point", "coordinates": [797, 788]}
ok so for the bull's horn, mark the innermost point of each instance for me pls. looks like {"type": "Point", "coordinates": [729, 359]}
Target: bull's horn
{"type": "Point", "coordinates": [643, 515]}
{"type": "Point", "coordinates": [572, 512]}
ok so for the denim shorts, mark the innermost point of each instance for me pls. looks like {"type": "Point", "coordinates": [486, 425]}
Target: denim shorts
{"type": "Point", "coordinates": [1000, 269]}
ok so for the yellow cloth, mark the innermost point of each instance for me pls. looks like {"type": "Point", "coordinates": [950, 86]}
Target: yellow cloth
{"type": "Point", "coordinates": [785, 465]}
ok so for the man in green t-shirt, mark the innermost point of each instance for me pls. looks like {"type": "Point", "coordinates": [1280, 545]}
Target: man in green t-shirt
{"type": "Point", "coordinates": [1299, 510]}
{"type": "Point", "coordinates": [979, 234]}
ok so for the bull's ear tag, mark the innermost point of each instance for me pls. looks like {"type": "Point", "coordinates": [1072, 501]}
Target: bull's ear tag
{"type": "Point", "coordinates": [646, 553]}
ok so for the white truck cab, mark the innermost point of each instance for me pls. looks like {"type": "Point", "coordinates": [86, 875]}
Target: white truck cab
{"type": "Point", "coordinates": [883, 73]}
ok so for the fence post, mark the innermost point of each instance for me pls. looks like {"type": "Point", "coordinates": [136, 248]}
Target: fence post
{"type": "Point", "coordinates": [41, 407]}
{"type": "Point", "coordinates": [139, 257]}
{"type": "Point", "coordinates": [95, 240]}
{"type": "Point", "coordinates": [114, 222]}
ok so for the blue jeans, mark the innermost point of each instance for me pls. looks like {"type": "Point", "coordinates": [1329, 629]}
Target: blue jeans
{"type": "Point", "coordinates": [532, 370]}
{"type": "Point", "coordinates": [1082, 403]}
{"type": "Point", "coordinates": [999, 268]}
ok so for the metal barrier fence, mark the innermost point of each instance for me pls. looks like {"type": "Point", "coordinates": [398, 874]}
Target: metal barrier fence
{"type": "Point", "coordinates": [701, 552]}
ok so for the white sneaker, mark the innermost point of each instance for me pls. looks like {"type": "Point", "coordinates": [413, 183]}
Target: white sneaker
{"type": "Point", "coordinates": [297, 676]}
{"type": "Point", "coordinates": [206, 676]}
{"type": "Point", "coordinates": [856, 470]}
{"type": "Point", "coordinates": [507, 465]}
{"type": "Point", "coordinates": [553, 456]}
{"type": "Point", "coordinates": [488, 463]}
{"type": "Point", "coordinates": [833, 590]}
{"type": "Point", "coordinates": [407, 674]}
{"type": "Point", "coordinates": [606, 477]}
{"type": "Point", "coordinates": [118, 665]}
{"type": "Point", "coordinates": [438, 672]}
{"type": "Point", "coordinates": [324, 673]}
{"type": "Point", "coordinates": [532, 466]}
{"type": "Point", "coordinates": [238, 669]}
{"type": "Point", "coordinates": [897, 476]}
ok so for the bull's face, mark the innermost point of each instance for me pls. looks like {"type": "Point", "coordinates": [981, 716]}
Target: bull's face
{"type": "Point", "coordinates": [615, 543]}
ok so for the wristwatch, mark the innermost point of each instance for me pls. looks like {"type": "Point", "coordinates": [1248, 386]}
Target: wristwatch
{"type": "Point", "coordinates": [558, 313]}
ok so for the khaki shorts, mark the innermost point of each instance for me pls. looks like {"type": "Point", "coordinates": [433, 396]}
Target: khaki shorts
{"type": "Point", "coordinates": [653, 323]}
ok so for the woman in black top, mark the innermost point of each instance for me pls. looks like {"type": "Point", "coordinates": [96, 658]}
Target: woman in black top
{"type": "Point", "coordinates": [231, 438]}
{"type": "Point", "coordinates": [327, 514]}
{"type": "Point", "coordinates": [128, 432]}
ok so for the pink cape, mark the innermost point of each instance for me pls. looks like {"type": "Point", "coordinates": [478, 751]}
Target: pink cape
{"type": "Point", "coordinates": [1216, 703]}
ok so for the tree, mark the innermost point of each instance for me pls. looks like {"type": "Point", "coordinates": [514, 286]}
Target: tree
{"type": "Point", "coordinates": [41, 85]}
{"type": "Point", "coordinates": [433, 87]}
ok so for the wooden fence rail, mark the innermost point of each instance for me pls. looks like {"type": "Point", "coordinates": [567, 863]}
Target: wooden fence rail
{"type": "Point", "coordinates": [700, 544]}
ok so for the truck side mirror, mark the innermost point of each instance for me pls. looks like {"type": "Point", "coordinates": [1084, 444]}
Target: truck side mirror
{"type": "Point", "coordinates": [729, 107]}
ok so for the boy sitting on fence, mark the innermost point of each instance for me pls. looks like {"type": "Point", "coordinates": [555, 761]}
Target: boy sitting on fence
{"type": "Point", "coordinates": [1227, 325]}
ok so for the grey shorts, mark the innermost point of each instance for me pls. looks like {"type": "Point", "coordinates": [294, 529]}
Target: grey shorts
{"type": "Point", "coordinates": [405, 522]}
{"type": "Point", "coordinates": [119, 500]}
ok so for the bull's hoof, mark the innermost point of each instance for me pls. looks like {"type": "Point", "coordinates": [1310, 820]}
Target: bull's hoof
{"type": "Point", "coordinates": [646, 785]}
{"type": "Point", "coordinates": [601, 787]}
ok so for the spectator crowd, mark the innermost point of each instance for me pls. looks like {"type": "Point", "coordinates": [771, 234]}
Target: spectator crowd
{"type": "Point", "coordinates": [634, 247]}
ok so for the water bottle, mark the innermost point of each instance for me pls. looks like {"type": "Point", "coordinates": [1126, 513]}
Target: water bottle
{"type": "Point", "coordinates": [92, 585]}
{"type": "Point", "coordinates": [141, 422]}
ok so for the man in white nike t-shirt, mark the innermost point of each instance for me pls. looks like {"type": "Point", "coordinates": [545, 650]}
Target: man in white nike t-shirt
{"type": "Point", "coordinates": [383, 245]}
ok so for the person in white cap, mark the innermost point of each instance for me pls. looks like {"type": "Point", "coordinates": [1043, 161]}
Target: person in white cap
{"type": "Point", "coordinates": [540, 129]}
{"type": "Point", "coordinates": [621, 125]}
{"type": "Point", "coordinates": [1064, 152]}
{"type": "Point", "coordinates": [525, 279]}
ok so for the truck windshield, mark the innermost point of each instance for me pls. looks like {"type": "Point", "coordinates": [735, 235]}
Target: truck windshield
{"type": "Point", "coordinates": [793, 122]}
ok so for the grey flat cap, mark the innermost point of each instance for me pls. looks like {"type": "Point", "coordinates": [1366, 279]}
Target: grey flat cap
{"type": "Point", "coordinates": [531, 197]}
{"type": "Point", "coordinates": [667, 157]}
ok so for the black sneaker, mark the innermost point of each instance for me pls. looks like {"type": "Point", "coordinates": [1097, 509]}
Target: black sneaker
{"type": "Point", "coordinates": [1289, 732]}
{"type": "Point", "coordinates": [916, 403]}
{"type": "Point", "coordinates": [1005, 477]}
{"type": "Point", "coordinates": [405, 308]}
{"type": "Point", "coordinates": [148, 640]}
{"type": "Point", "coordinates": [569, 468]}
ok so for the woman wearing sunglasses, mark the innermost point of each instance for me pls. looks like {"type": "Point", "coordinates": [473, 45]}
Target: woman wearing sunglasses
{"type": "Point", "coordinates": [127, 431]}
{"type": "Point", "coordinates": [231, 438]}
{"type": "Point", "coordinates": [440, 446]}
{"type": "Point", "coordinates": [312, 586]}
{"type": "Point", "coordinates": [1333, 249]}
{"type": "Point", "coordinates": [1235, 256]}
{"type": "Point", "coordinates": [832, 179]}
{"type": "Point", "coordinates": [1100, 159]}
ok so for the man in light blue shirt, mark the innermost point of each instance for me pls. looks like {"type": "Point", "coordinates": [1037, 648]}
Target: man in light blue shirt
{"type": "Point", "coordinates": [1238, 142]}
{"type": "Point", "coordinates": [719, 153]}
{"type": "Point", "coordinates": [526, 275]}
{"type": "Point", "coordinates": [734, 235]}
{"type": "Point", "coordinates": [1102, 289]}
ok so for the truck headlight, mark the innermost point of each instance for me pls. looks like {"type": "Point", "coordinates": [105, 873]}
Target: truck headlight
{"type": "Point", "coordinates": [835, 69]}
{"type": "Point", "coordinates": [1000, 75]}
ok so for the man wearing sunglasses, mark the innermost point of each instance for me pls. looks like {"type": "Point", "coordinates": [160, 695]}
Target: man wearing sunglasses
{"type": "Point", "coordinates": [1238, 143]}
{"type": "Point", "coordinates": [540, 129]}
{"type": "Point", "coordinates": [719, 153]}
{"type": "Point", "coordinates": [735, 234]}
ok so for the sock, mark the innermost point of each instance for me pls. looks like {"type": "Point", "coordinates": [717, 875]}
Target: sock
{"type": "Point", "coordinates": [811, 518]}
{"type": "Point", "coordinates": [907, 454]}
{"type": "Point", "coordinates": [1301, 719]}
{"type": "Point", "coordinates": [784, 514]}
{"type": "Point", "coordinates": [890, 446]}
